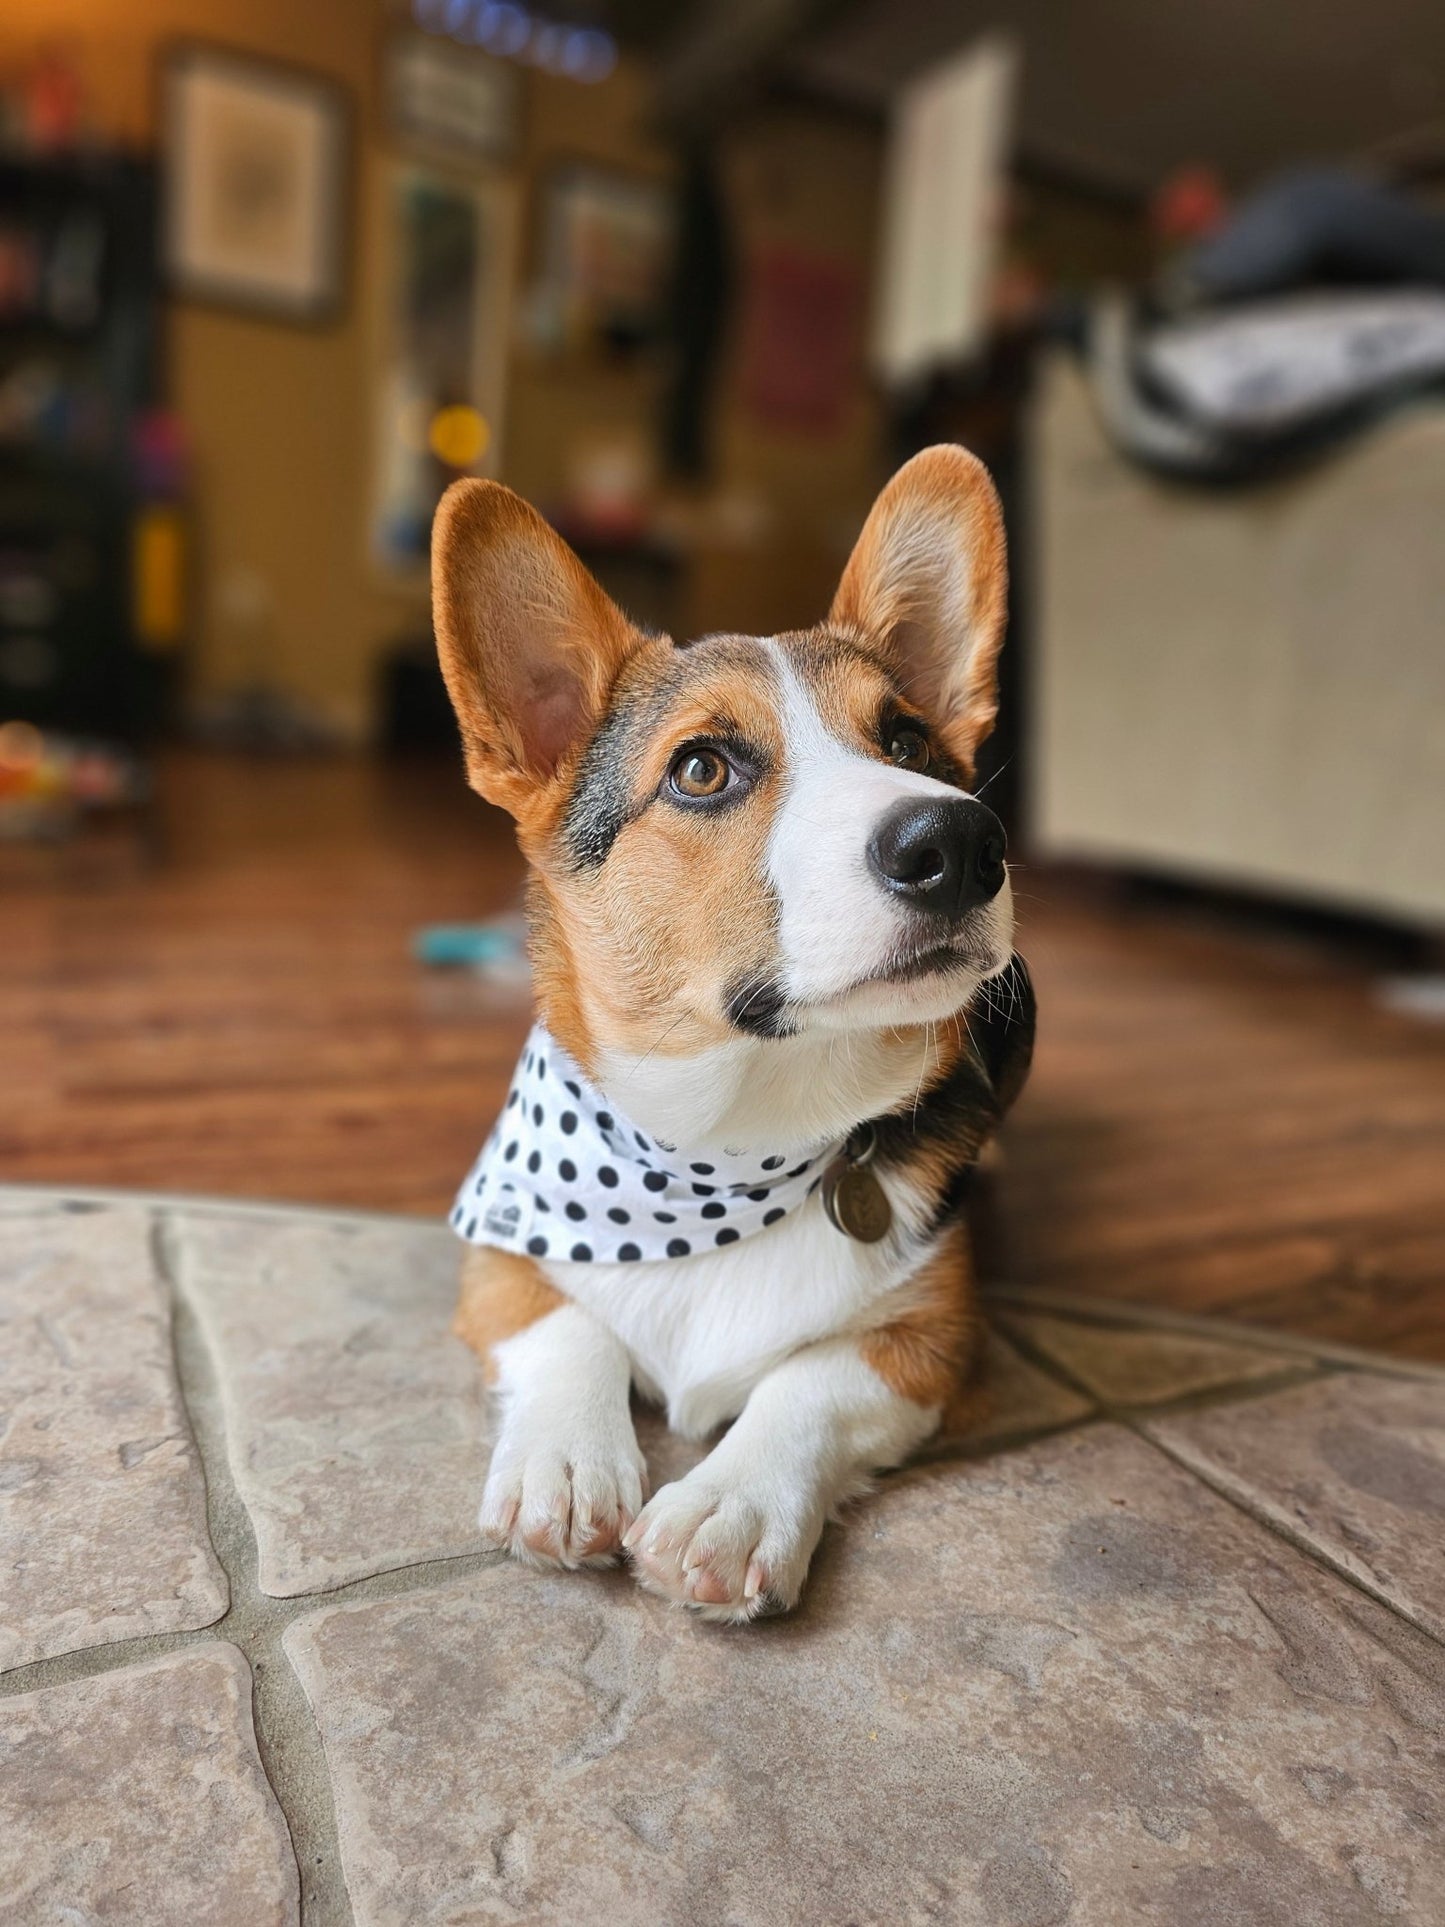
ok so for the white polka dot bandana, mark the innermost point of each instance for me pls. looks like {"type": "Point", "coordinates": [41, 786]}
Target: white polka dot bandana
{"type": "Point", "coordinates": [565, 1175]}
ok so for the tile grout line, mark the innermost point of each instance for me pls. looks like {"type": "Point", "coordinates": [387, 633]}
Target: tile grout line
{"type": "Point", "coordinates": [963, 1450]}
{"type": "Point", "coordinates": [93, 1662]}
{"type": "Point", "coordinates": [1282, 1530]}
{"type": "Point", "coordinates": [1085, 1308]}
{"type": "Point", "coordinates": [279, 1612]}
{"type": "Point", "coordinates": [286, 1733]}
{"type": "Point", "coordinates": [1200, 1398]}
{"type": "Point", "coordinates": [1134, 1421]}
{"type": "Point", "coordinates": [47, 1197]}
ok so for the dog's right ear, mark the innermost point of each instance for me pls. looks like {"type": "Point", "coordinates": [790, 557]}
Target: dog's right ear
{"type": "Point", "coordinates": [530, 645]}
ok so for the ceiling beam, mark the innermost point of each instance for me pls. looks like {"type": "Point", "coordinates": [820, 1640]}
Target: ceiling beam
{"type": "Point", "coordinates": [727, 54]}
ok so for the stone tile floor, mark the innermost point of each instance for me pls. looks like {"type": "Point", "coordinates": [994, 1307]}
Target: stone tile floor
{"type": "Point", "coordinates": [1161, 1640]}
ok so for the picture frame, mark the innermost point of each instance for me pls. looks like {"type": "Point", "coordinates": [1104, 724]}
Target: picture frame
{"type": "Point", "coordinates": [257, 165]}
{"type": "Point", "coordinates": [443, 248]}
{"type": "Point", "coordinates": [450, 103]}
{"type": "Point", "coordinates": [603, 252]}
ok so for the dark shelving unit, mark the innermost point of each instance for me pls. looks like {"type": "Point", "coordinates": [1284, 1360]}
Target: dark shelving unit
{"type": "Point", "coordinates": [79, 366]}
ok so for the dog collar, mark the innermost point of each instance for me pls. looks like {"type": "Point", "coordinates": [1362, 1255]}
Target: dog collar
{"type": "Point", "coordinates": [564, 1175]}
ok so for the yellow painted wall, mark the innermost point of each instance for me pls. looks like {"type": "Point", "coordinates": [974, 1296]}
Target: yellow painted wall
{"type": "Point", "coordinates": [276, 414]}
{"type": "Point", "coordinates": [280, 416]}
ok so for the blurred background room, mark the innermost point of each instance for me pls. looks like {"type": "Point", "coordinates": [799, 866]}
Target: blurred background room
{"type": "Point", "coordinates": [694, 278]}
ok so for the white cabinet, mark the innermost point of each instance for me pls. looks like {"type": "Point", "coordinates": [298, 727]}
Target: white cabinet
{"type": "Point", "coordinates": [1246, 685]}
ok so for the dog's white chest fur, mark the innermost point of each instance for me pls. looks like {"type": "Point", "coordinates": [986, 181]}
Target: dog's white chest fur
{"type": "Point", "coordinates": [701, 1331]}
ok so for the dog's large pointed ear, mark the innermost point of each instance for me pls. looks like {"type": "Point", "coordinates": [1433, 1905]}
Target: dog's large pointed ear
{"type": "Point", "coordinates": [927, 584]}
{"type": "Point", "coordinates": [530, 645]}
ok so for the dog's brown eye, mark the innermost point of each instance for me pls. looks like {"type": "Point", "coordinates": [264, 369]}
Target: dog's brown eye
{"type": "Point", "coordinates": [908, 748]}
{"type": "Point", "coordinates": [700, 772]}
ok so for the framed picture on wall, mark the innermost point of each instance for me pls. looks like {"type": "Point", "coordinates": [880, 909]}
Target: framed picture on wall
{"type": "Point", "coordinates": [441, 318]}
{"type": "Point", "coordinates": [604, 253]}
{"type": "Point", "coordinates": [447, 100]}
{"type": "Point", "coordinates": [256, 159]}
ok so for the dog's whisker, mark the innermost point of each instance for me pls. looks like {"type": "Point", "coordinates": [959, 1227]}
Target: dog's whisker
{"type": "Point", "coordinates": [988, 781]}
{"type": "Point", "coordinates": [658, 1042]}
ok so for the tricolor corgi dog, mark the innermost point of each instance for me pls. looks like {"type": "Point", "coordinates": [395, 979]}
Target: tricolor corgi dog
{"type": "Point", "coordinates": [778, 1015]}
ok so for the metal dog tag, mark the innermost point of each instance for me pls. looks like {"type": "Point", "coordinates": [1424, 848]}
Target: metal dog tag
{"type": "Point", "coordinates": [856, 1203]}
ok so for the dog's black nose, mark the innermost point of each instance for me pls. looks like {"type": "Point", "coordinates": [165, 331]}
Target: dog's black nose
{"type": "Point", "coordinates": [945, 856]}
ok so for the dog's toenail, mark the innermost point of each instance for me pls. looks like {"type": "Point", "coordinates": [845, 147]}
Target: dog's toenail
{"type": "Point", "coordinates": [709, 1588]}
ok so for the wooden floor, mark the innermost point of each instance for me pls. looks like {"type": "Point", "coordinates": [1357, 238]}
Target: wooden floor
{"type": "Point", "coordinates": [1218, 1120]}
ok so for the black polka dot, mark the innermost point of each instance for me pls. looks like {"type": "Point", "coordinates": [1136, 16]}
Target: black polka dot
{"type": "Point", "coordinates": [758, 1196]}
{"type": "Point", "coordinates": [771, 1217]}
{"type": "Point", "coordinates": [664, 1217]}
{"type": "Point", "coordinates": [604, 1121]}
{"type": "Point", "coordinates": [511, 1100]}
{"type": "Point", "coordinates": [703, 1170]}
{"type": "Point", "coordinates": [798, 1169]}
{"type": "Point", "coordinates": [529, 1060]}
{"type": "Point", "coordinates": [567, 1171]}
{"type": "Point", "coordinates": [471, 1227]}
{"type": "Point", "coordinates": [541, 1067]}
{"type": "Point", "coordinates": [581, 1253]}
{"type": "Point", "coordinates": [678, 1247]}
{"type": "Point", "coordinates": [542, 1205]}
{"type": "Point", "coordinates": [772, 1164]}
{"type": "Point", "coordinates": [814, 1185]}
{"type": "Point", "coordinates": [511, 1151]}
{"type": "Point", "coordinates": [575, 1089]}
{"type": "Point", "coordinates": [703, 1190]}
{"type": "Point", "coordinates": [655, 1181]}
{"type": "Point", "coordinates": [642, 1143]}
{"type": "Point", "coordinates": [714, 1210]}
{"type": "Point", "coordinates": [628, 1251]}
{"type": "Point", "coordinates": [534, 1163]}
{"type": "Point", "coordinates": [456, 1214]}
{"type": "Point", "coordinates": [568, 1121]}
{"type": "Point", "coordinates": [606, 1175]}
{"type": "Point", "coordinates": [537, 1247]}
{"type": "Point", "coordinates": [536, 1113]}
{"type": "Point", "coordinates": [576, 1212]}
{"type": "Point", "coordinates": [619, 1216]}
{"type": "Point", "coordinates": [727, 1236]}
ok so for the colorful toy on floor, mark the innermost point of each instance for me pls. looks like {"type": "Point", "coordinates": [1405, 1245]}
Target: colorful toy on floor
{"type": "Point", "coordinates": [497, 949]}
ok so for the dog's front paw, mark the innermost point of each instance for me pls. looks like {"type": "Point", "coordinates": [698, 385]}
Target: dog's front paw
{"type": "Point", "coordinates": [730, 1550]}
{"type": "Point", "coordinates": [562, 1507]}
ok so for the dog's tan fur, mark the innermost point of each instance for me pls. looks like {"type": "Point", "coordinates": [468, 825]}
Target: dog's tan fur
{"type": "Point", "coordinates": [926, 1343]}
{"type": "Point", "coordinates": [502, 1293]}
{"type": "Point", "coordinates": [642, 936]}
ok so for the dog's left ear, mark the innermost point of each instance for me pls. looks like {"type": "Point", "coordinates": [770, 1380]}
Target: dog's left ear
{"type": "Point", "coordinates": [927, 584]}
